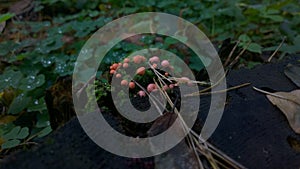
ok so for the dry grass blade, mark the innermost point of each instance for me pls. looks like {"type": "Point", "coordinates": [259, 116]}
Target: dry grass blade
{"type": "Point", "coordinates": [198, 144]}
{"type": "Point", "coordinates": [212, 86]}
{"type": "Point", "coordinates": [265, 92]}
{"type": "Point", "coordinates": [231, 53]}
{"type": "Point", "coordinates": [183, 125]}
{"type": "Point", "coordinates": [159, 75]}
{"type": "Point", "coordinates": [181, 80]}
{"type": "Point", "coordinates": [273, 54]}
{"type": "Point", "coordinates": [238, 56]}
{"type": "Point", "coordinates": [200, 93]}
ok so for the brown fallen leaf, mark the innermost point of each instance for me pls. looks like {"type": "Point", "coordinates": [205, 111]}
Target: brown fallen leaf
{"type": "Point", "coordinates": [289, 104]}
{"type": "Point", "coordinates": [7, 119]}
{"type": "Point", "coordinates": [2, 26]}
{"type": "Point", "coordinates": [293, 73]}
{"type": "Point", "coordinates": [294, 143]}
{"type": "Point", "coordinates": [21, 7]}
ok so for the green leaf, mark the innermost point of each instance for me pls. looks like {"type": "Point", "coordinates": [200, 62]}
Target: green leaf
{"type": "Point", "coordinates": [251, 64]}
{"type": "Point", "coordinates": [147, 39]}
{"type": "Point", "coordinates": [31, 82]}
{"type": "Point", "coordinates": [5, 128]}
{"type": "Point", "coordinates": [164, 4]}
{"type": "Point", "coordinates": [42, 120]}
{"type": "Point", "coordinates": [10, 78]}
{"type": "Point", "coordinates": [13, 133]}
{"type": "Point", "coordinates": [18, 57]}
{"type": "Point", "coordinates": [17, 133]}
{"type": "Point", "coordinates": [24, 132]}
{"type": "Point", "coordinates": [63, 69]}
{"type": "Point", "coordinates": [254, 47]}
{"type": "Point", "coordinates": [45, 131]}
{"type": "Point", "coordinates": [10, 144]}
{"type": "Point", "coordinates": [18, 104]}
{"type": "Point", "coordinates": [38, 105]}
{"type": "Point", "coordinates": [37, 26]}
{"type": "Point", "coordinates": [141, 26]}
{"type": "Point", "coordinates": [244, 38]}
{"type": "Point", "coordinates": [6, 47]}
{"type": "Point", "coordinates": [6, 17]}
{"type": "Point", "coordinates": [196, 63]}
{"type": "Point", "coordinates": [170, 41]}
{"type": "Point", "coordinates": [49, 44]}
{"type": "Point", "coordinates": [276, 18]}
{"type": "Point", "coordinates": [129, 10]}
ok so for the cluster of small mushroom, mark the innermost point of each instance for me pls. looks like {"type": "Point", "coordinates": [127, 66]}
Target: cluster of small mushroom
{"type": "Point", "coordinates": [154, 62]}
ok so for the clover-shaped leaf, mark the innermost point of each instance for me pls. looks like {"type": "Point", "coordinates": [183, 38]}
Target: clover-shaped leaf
{"type": "Point", "coordinates": [31, 82]}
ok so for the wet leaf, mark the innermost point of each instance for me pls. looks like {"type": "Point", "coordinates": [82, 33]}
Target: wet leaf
{"type": "Point", "coordinates": [289, 104]}
{"type": "Point", "coordinates": [38, 105]}
{"type": "Point", "coordinates": [42, 120]}
{"type": "Point", "coordinates": [50, 44]}
{"type": "Point", "coordinates": [293, 73]}
{"type": "Point", "coordinates": [10, 78]}
{"type": "Point", "coordinates": [18, 104]}
{"type": "Point", "coordinates": [31, 82]}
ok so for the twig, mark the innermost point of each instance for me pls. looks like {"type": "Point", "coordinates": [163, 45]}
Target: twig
{"type": "Point", "coordinates": [28, 143]}
{"type": "Point", "coordinates": [231, 53]}
{"type": "Point", "coordinates": [238, 56]}
{"type": "Point", "coordinates": [273, 54]}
